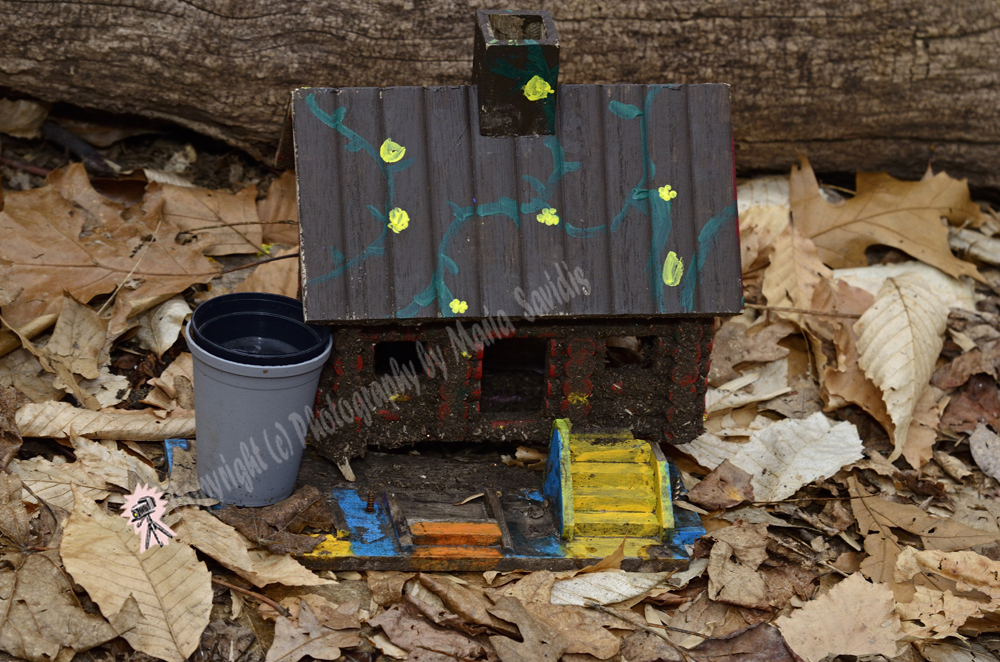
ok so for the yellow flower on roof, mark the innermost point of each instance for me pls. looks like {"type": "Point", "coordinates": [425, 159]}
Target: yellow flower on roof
{"type": "Point", "coordinates": [667, 193]}
{"type": "Point", "coordinates": [537, 88]}
{"type": "Point", "coordinates": [391, 152]}
{"type": "Point", "coordinates": [399, 220]}
{"type": "Point", "coordinates": [673, 270]}
{"type": "Point", "coordinates": [548, 216]}
{"type": "Point", "coordinates": [458, 307]}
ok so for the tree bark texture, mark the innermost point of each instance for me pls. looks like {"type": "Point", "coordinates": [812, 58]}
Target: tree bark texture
{"type": "Point", "coordinates": [854, 84]}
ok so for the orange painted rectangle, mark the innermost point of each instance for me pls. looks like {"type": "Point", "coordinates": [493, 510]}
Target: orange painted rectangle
{"type": "Point", "coordinates": [455, 533]}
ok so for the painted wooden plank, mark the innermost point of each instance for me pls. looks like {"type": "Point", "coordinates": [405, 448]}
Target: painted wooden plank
{"type": "Point", "coordinates": [582, 111]}
{"type": "Point", "coordinates": [663, 490]}
{"type": "Point", "coordinates": [456, 533]}
{"type": "Point", "coordinates": [670, 149]}
{"type": "Point", "coordinates": [631, 524]}
{"type": "Point", "coordinates": [496, 510]}
{"type": "Point", "coordinates": [452, 192]}
{"type": "Point", "coordinates": [716, 220]}
{"type": "Point", "coordinates": [446, 552]}
{"type": "Point", "coordinates": [612, 474]}
{"type": "Point", "coordinates": [398, 521]}
{"type": "Point", "coordinates": [498, 235]}
{"type": "Point", "coordinates": [598, 499]}
{"type": "Point", "coordinates": [600, 547]}
{"type": "Point", "coordinates": [410, 252]}
{"type": "Point", "coordinates": [600, 450]}
{"type": "Point", "coordinates": [320, 205]}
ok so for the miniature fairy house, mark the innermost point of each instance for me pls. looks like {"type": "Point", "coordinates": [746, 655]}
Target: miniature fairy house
{"type": "Point", "coordinates": [498, 255]}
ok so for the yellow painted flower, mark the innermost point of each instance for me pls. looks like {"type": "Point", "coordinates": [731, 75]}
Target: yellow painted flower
{"type": "Point", "coordinates": [399, 220]}
{"type": "Point", "coordinates": [391, 152]}
{"type": "Point", "coordinates": [548, 216]}
{"type": "Point", "coordinates": [537, 88]}
{"type": "Point", "coordinates": [458, 307]}
{"type": "Point", "coordinates": [667, 193]}
{"type": "Point", "coordinates": [673, 268]}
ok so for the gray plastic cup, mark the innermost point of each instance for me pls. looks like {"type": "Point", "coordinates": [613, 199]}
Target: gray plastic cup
{"type": "Point", "coordinates": [251, 424]}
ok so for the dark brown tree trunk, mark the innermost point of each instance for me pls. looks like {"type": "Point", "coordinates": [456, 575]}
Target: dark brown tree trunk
{"type": "Point", "coordinates": [855, 84]}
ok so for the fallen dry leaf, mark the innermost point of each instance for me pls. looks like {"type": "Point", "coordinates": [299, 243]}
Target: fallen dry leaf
{"type": "Point", "coordinates": [957, 293]}
{"type": "Point", "coordinates": [43, 619]}
{"type": "Point", "coordinates": [54, 483]}
{"type": "Point", "coordinates": [727, 486]}
{"type": "Point", "coordinates": [80, 340]}
{"type": "Point", "coordinates": [903, 215]}
{"type": "Point", "coordinates": [270, 568]}
{"type": "Point", "coordinates": [985, 447]}
{"type": "Point", "coordinates": [876, 519]}
{"type": "Point", "coordinates": [42, 240]}
{"type": "Point", "coordinates": [732, 566]}
{"type": "Point", "coordinates": [935, 614]}
{"type": "Point", "coordinates": [10, 436]}
{"type": "Point", "coordinates": [760, 642]}
{"type": "Point", "coordinates": [970, 571]}
{"type": "Point", "coordinates": [899, 339]}
{"type": "Point", "coordinates": [472, 606]}
{"type": "Point", "coordinates": [172, 587]}
{"type": "Point", "coordinates": [734, 343]}
{"type": "Point", "coordinates": [794, 273]}
{"type": "Point", "coordinates": [278, 277]}
{"type": "Point", "coordinates": [756, 385]}
{"type": "Point", "coordinates": [295, 640]}
{"type": "Point", "coordinates": [977, 402]}
{"type": "Point", "coordinates": [207, 534]}
{"type": "Point", "coordinates": [604, 588]}
{"type": "Point", "coordinates": [413, 634]}
{"type": "Point", "coordinates": [160, 327]}
{"type": "Point", "coordinates": [114, 466]}
{"type": "Point", "coordinates": [174, 388]}
{"type": "Point", "coordinates": [55, 419]}
{"type": "Point", "coordinates": [985, 360]}
{"type": "Point", "coordinates": [857, 619]}
{"type": "Point", "coordinates": [22, 118]}
{"type": "Point", "coordinates": [279, 211]}
{"type": "Point", "coordinates": [387, 587]}
{"type": "Point", "coordinates": [584, 629]}
{"type": "Point", "coordinates": [783, 457]}
{"type": "Point", "coordinates": [278, 527]}
{"type": "Point", "coordinates": [540, 642]}
{"type": "Point", "coordinates": [21, 370]}
{"type": "Point", "coordinates": [919, 446]}
{"type": "Point", "coordinates": [223, 223]}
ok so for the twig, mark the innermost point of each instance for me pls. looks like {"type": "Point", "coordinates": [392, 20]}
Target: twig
{"type": "Point", "coordinates": [227, 225]}
{"type": "Point", "coordinates": [803, 311]}
{"type": "Point", "coordinates": [134, 267]}
{"type": "Point", "coordinates": [252, 264]}
{"type": "Point", "coordinates": [253, 594]}
{"type": "Point", "coordinates": [26, 167]}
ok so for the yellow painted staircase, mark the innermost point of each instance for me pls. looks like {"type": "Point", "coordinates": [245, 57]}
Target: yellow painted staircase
{"type": "Point", "coordinates": [608, 484]}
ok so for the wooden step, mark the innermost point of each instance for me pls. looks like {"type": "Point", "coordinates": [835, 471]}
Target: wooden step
{"type": "Point", "coordinates": [617, 499]}
{"type": "Point", "coordinates": [481, 534]}
{"type": "Point", "coordinates": [606, 448]}
{"type": "Point", "coordinates": [632, 524]}
{"type": "Point", "coordinates": [612, 474]}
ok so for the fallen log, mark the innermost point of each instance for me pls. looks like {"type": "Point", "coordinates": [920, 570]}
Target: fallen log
{"type": "Point", "coordinates": [854, 84]}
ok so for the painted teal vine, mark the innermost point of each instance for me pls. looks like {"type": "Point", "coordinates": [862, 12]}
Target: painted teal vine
{"type": "Point", "coordinates": [356, 144]}
{"type": "Point", "coordinates": [706, 241]}
{"type": "Point", "coordinates": [643, 197]}
{"type": "Point", "coordinates": [656, 206]}
{"type": "Point", "coordinates": [438, 289]}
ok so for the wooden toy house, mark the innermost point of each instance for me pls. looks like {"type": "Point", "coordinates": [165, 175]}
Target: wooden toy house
{"type": "Point", "coordinates": [499, 255]}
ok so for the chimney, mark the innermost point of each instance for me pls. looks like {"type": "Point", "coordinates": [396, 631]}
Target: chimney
{"type": "Point", "coordinates": [515, 70]}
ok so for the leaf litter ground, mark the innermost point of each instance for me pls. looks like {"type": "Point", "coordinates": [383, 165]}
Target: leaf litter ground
{"type": "Point", "coordinates": [847, 477]}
